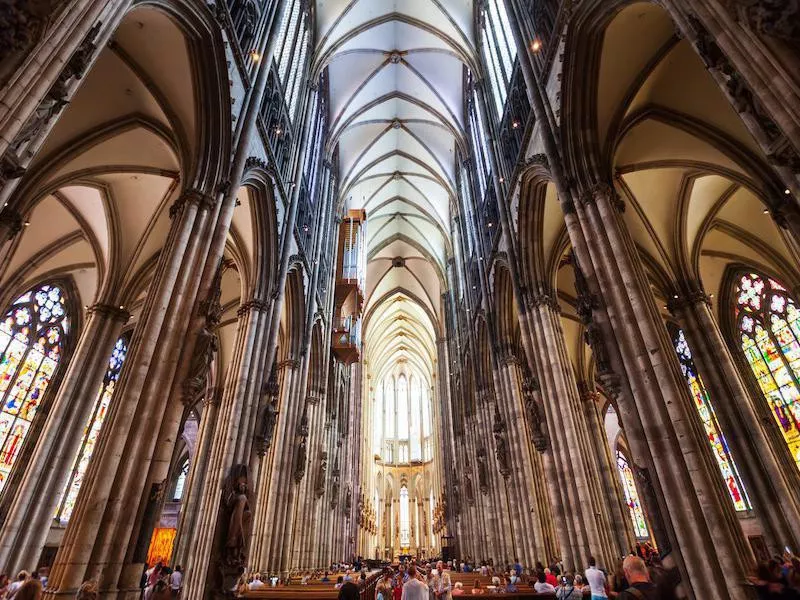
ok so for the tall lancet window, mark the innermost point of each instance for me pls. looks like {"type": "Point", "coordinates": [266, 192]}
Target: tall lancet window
{"type": "Point", "coordinates": [499, 51]}
{"type": "Point", "coordinates": [388, 411]}
{"type": "Point", "coordinates": [702, 401]}
{"type": "Point", "coordinates": [377, 419]}
{"type": "Point", "coordinates": [416, 413]}
{"type": "Point", "coordinates": [31, 344]}
{"type": "Point", "coordinates": [405, 518]}
{"type": "Point", "coordinates": [91, 432]}
{"type": "Point", "coordinates": [768, 326]}
{"type": "Point", "coordinates": [292, 51]}
{"type": "Point", "coordinates": [632, 497]}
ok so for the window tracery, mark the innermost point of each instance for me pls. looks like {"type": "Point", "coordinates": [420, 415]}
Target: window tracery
{"type": "Point", "coordinates": [293, 49]}
{"type": "Point", "coordinates": [768, 330]}
{"type": "Point", "coordinates": [499, 51]}
{"type": "Point", "coordinates": [402, 423]}
{"type": "Point", "coordinates": [31, 345]}
{"type": "Point", "coordinates": [632, 497]}
{"type": "Point", "coordinates": [705, 410]}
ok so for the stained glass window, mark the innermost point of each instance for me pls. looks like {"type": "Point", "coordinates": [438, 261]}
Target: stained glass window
{"type": "Point", "coordinates": [405, 518]}
{"type": "Point", "coordinates": [91, 432]}
{"type": "Point", "coordinates": [180, 484]}
{"type": "Point", "coordinates": [401, 427]}
{"type": "Point", "coordinates": [705, 410]}
{"type": "Point", "coordinates": [499, 51]}
{"type": "Point", "coordinates": [632, 497]}
{"type": "Point", "coordinates": [768, 325]}
{"type": "Point", "coordinates": [31, 344]}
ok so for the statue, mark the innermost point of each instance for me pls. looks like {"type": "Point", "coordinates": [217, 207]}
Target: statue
{"type": "Point", "coordinates": [483, 473]}
{"type": "Point", "coordinates": [500, 444]}
{"type": "Point", "coordinates": [469, 491]}
{"type": "Point", "coordinates": [237, 508]}
{"type": "Point", "coordinates": [203, 354]}
{"type": "Point", "coordinates": [535, 418]}
{"type": "Point", "coordinates": [300, 463]}
{"type": "Point", "coordinates": [319, 488]}
{"type": "Point", "coordinates": [594, 337]}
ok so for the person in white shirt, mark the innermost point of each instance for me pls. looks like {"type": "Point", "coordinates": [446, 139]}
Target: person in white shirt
{"type": "Point", "coordinates": [176, 581]}
{"type": "Point", "coordinates": [414, 589]}
{"type": "Point", "coordinates": [596, 580]}
{"type": "Point", "coordinates": [12, 590]}
{"type": "Point", "coordinates": [257, 583]}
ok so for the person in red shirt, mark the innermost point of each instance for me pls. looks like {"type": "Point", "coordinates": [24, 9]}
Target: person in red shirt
{"type": "Point", "coordinates": [550, 578]}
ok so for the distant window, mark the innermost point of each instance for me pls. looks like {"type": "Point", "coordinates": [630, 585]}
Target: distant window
{"type": "Point", "coordinates": [499, 51]}
{"type": "Point", "coordinates": [632, 497]}
{"type": "Point", "coordinates": [91, 433]}
{"type": "Point", "coordinates": [180, 484]}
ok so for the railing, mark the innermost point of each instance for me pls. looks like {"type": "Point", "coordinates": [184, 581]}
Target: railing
{"type": "Point", "coordinates": [278, 125]}
{"type": "Point", "coordinates": [511, 128]}
{"type": "Point", "coordinates": [541, 20]}
{"type": "Point", "coordinates": [490, 216]}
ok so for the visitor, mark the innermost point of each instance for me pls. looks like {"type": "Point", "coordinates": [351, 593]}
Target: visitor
{"type": "Point", "coordinates": [477, 590]}
{"type": "Point", "coordinates": [22, 577]}
{"type": "Point", "coordinates": [4, 580]}
{"type": "Point", "coordinates": [458, 589]}
{"type": "Point", "coordinates": [348, 591]}
{"type": "Point", "coordinates": [442, 583]}
{"type": "Point", "coordinates": [154, 574]}
{"type": "Point", "coordinates": [383, 589]}
{"type": "Point", "coordinates": [517, 567]}
{"type": "Point", "coordinates": [414, 589]}
{"type": "Point", "coordinates": [29, 590]}
{"type": "Point", "coordinates": [348, 575]}
{"type": "Point", "coordinates": [88, 591]}
{"type": "Point", "coordinates": [484, 569]}
{"type": "Point", "coordinates": [44, 575]}
{"type": "Point", "coordinates": [339, 583]}
{"type": "Point", "coordinates": [325, 578]}
{"type": "Point", "coordinates": [176, 581]}
{"type": "Point", "coordinates": [567, 590]}
{"type": "Point", "coordinates": [580, 584]}
{"type": "Point", "coordinates": [240, 587]}
{"type": "Point", "coordinates": [639, 585]}
{"type": "Point", "coordinates": [542, 586]}
{"type": "Point", "coordinates": [257, 583]}
{"type": "Point", "coordinates": [596, 580]}
{"type": "Point", "coordinates": [551, 577]}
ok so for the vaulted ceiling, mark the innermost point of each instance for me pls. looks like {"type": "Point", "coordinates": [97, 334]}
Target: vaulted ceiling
{"type": "Point", "coordinates": [396, 73]}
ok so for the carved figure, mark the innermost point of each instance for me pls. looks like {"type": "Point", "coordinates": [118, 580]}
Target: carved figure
{"type": "Point", "coordinates": [237, 504]}
{"type": "Point", "coordinates": [203, 355]}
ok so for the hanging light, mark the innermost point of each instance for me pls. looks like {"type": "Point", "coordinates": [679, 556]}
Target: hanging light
{"type": "Point", "coordinates": [536, 45]}
{"type": "Point", "coordinates": [255, 56]}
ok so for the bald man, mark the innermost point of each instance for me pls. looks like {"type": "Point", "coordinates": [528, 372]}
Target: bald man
{"type": "Point", "coordinates": [640, 586]}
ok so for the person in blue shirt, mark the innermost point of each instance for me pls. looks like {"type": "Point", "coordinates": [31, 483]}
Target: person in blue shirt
{"type": "Point", "coordinates": [517, 567]}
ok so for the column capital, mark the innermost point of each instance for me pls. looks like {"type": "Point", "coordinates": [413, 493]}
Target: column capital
{"type": "Point", "coordinates": [691, 294]}
{"type": "Point", "coordinates": [201, 199]}
{"type": "Point", "coordinates": [253, 305]}
{"type": "Point", "coordinates": [117, 313]}
{"type": "Point", "coordinates": [290, 363]}
{"type": "Point", "coordinates": [11, 219]}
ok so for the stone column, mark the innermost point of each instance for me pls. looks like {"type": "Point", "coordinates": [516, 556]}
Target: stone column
{"type": "Point", "coordinates": [35, 501]}
{"type": "Point", "coordinates": [240, 398]}
{"type": "Point", "coordinates": [608, 472]}
{"type": "Point", "coordinates": [660, 400]}
{"type": "Point", "coordinates": [582, 518]}
{"type": "Point", "coordinates": [99, 535]}
{"type": "Point", "coordinates": [771, 483]}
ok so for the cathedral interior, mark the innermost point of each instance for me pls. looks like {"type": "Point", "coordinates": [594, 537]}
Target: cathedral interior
{"type": "Point", "coordinates": [288, 282]}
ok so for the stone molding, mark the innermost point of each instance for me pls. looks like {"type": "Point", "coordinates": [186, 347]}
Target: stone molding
{"type": "Point", "coordinates": [254, 305]}
{"type": "Point", "coordinates": [13, 220]}
{"type": "Point", "coordinates": [117, 313]}
{"type": "Point", "coordinates": [191, 196]}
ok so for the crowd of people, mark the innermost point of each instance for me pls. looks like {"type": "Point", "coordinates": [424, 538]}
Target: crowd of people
{"type": "Point", "coordinates": [160, 582]}
{"type": "Point", "coordinates": [31, 585]}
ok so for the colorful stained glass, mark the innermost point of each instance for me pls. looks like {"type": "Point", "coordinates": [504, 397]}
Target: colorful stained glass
{"type": "Point", "coordinates": [769, 325]}
{"type": "Point", "coordinates": [632, 497]}
{"type": "Point", "coordinates": [31, 342]}
{"type": "Point", "coordinates": [719, 447]}
{"type": "Point", "coordinates": [91, 432]}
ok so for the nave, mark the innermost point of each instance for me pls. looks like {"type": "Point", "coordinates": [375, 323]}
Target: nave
{"type": "Point", "coordinates": [288, 285]}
